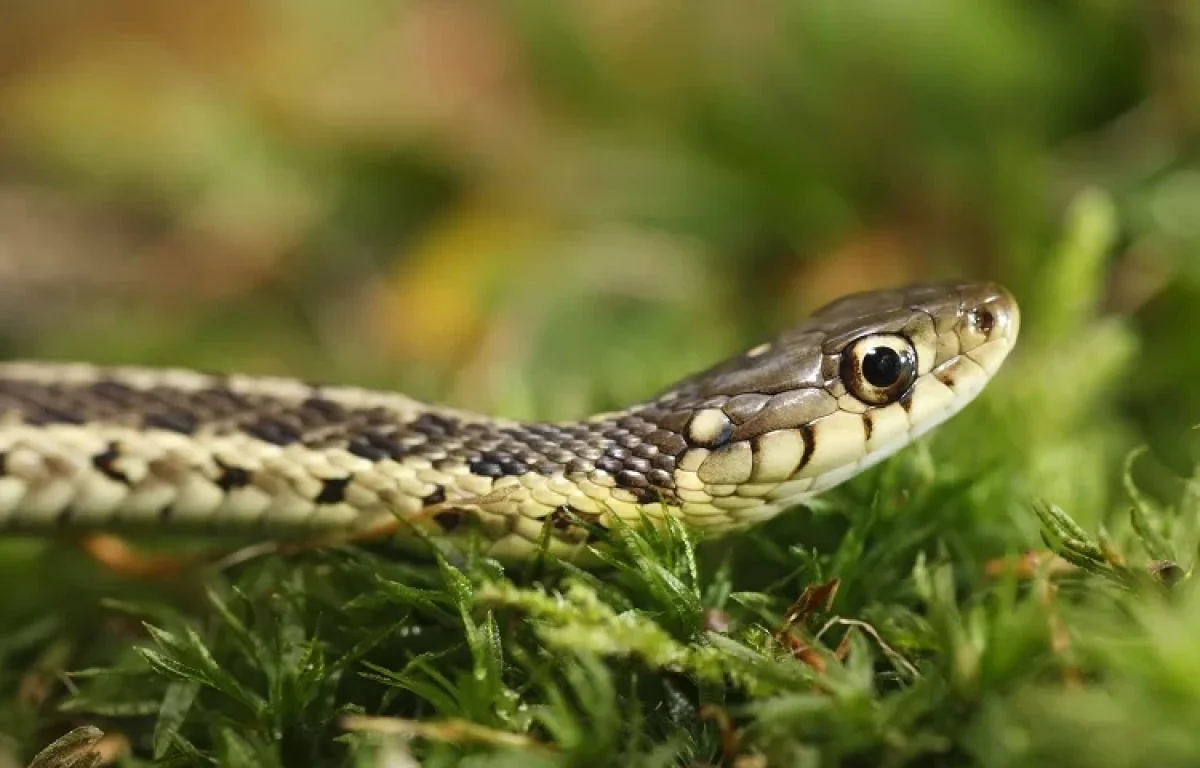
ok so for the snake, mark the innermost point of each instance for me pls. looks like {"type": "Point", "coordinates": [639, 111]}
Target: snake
{"type": "Point", "coordinates": [125, 448]}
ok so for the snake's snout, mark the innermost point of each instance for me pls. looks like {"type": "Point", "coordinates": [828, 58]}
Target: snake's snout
{"type": "Point", "coordinates": [989, 325]}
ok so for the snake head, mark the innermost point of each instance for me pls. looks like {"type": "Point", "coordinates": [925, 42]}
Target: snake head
{"type": "Point", "coordinates": [850, 386]}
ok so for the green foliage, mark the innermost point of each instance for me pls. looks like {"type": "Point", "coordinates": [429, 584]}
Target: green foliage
{"type": "Point", "coordinates": [871, 627]}
{"type": "Point", "coordinates": [688, 173]}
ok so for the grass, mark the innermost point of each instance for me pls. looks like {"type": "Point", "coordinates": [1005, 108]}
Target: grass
{"type": "Point", "coordinates": [872, 627]}
{"type": "Point", "coordinates": [673, 656]}
{"type": "Point", "coordinates": [489, 200]}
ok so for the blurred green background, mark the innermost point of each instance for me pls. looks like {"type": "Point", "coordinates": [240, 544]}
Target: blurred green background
{"type": "Point", "coordinates": [540, 208]}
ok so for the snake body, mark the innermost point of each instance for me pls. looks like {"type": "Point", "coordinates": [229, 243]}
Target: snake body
{"type": "Point", "coordinates": [124, 448]}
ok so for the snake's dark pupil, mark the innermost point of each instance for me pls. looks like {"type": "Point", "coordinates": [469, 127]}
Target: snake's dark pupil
{"type": "Point", "coordinates": [882, 367]}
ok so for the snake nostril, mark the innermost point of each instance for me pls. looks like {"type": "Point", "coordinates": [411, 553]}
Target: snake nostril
{"type": "Point", "coordinates": [982, 320]}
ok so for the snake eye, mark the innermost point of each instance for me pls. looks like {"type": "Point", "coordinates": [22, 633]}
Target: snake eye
{"type": "Point", "coordinates": [879, 369]}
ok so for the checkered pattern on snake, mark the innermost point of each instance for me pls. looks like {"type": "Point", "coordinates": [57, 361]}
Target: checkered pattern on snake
{"type": "Point", "coordinates": [121, 448]}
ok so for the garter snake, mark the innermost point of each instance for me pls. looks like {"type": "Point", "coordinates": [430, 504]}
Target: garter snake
{"type": "Point", "coordinates": [86, 448]}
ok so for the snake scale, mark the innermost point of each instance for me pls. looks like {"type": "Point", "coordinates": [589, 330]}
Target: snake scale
{"type": "Point", "coordinates": [87, 448]}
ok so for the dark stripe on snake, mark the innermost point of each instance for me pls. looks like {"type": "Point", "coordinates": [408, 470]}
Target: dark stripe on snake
{"type": "Point", "coordinates": [333, 490]}
{"type": "Point", "coordinates": [104, 463]}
